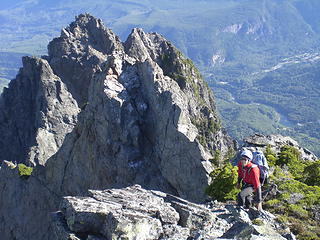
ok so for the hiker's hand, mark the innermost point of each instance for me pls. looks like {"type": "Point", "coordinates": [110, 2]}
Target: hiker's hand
{"type": "Point", "coordinates": [259, 206]}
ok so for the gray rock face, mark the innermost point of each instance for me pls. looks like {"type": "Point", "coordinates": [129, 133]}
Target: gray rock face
{"type": "Point", "coordinates": [149, 118]}
{"type": "Point", "coordinates": [134, 213]}
{"type": "Point", "coordinates": [36, 112]}
{"type": "Point", "coordinates": [25, 205]}
{"type": "Point", "coordinates": [146, 118]}
{"type": "Point", "coordinates": [276, 142]}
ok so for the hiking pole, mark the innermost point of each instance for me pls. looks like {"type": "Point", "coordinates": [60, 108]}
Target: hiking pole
{"type": "Point", "coordinates": [271, 188]}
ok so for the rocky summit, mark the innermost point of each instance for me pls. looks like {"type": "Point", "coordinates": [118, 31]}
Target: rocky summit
{"type": "Point", "coordinates": [135, 213]}
{"type": "Point", "coordinates": [276, 142]}
{"type": "Point", "coordinates": [98, 113]}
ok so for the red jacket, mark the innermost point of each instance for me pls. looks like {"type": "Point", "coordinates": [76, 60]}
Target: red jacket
{"type": "Point", "coordinates": [249, 174]}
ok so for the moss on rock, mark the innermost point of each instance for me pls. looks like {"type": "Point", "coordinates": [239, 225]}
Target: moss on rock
{"type": "Point", "coordinates": [24, 171]}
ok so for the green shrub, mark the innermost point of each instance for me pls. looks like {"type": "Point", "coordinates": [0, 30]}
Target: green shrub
{"type": "Point", "coordinates": [271, 156]}
{"type": "Point", "coordinates": [297, 228]}
{"type": "Point", "coordinates": [224, 181]}
{"type": "Point", "coordinates": [271, 160]}
{"type": "Point", "coordinates": [24, 171]}
{"type": "Point", "coordinates": [298, 211]}
{"type": "Point", "coordinates": [273, 203]}
{"type": "Point", "coordinates": [306, 172]}
{"type": "Point", "coordinates": [216, 159]}
{"type": "Point", "coordinates": [311, 174]}
{"type": "Point", "coordinates": [290, 157]}
{"type": "Point", "coordinates": [280, 175]}
{"type": "Point", "coordinates": [294, 204]}
{"type": "Point", "coordinates": [311, 193]}
{"type": "Point", "coordinates": [258, 222]}
{"type": "Point", "coordinates": [307, 235]}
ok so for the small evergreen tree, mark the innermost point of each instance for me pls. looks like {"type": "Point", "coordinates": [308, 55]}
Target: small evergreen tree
{"type": "Point", "coordinates": [223, 186]}
{"type": "Point", "coordinates": [271, 156]}
{"type": "Point", "coordinates": [312, 174]}
{"type": "Point", "coordinates": [290, 157]}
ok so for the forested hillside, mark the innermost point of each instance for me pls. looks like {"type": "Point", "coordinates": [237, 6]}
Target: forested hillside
{"type": "Point", "coordinates": [284, 99]}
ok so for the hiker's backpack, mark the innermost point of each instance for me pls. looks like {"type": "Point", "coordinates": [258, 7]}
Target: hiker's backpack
{"type": "Point", "coordinates": [260, 160]}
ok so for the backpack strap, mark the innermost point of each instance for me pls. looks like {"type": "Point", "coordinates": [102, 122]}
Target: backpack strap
{"type": "Point", "coordinates": [253, 166]}
{"type": "Point", "coordinates": [264, 162]}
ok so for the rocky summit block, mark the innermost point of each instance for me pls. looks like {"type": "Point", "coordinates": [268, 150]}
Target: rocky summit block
{"type": "Point", "coordinates": [98, 113]}
{"type": "Point", "coordinates": [276, 142]}
{"type": "Point", "coordinates": [135, 213]}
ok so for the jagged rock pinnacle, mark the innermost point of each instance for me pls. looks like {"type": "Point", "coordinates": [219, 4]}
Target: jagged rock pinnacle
{"type": "Point", "coordinates": [36, 113]}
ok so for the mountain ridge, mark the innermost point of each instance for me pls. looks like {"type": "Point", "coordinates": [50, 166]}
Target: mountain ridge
{"type": "Point", "coordinates": [111, 118]}
{"type": "Point", "coordinates": [106, 121]}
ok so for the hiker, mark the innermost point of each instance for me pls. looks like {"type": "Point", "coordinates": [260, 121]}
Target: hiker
{"type": "Point", "coordinates": [249, 175]}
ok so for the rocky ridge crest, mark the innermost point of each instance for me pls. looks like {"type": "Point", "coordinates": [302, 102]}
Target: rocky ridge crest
{"type": "Point", "coordinates": [135, 213]}
{"type": "Point", "coordinates": [276, 142]}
